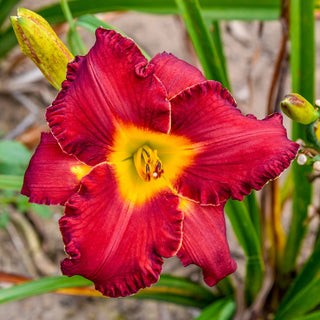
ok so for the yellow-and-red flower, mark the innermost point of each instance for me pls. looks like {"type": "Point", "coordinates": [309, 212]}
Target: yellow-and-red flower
{"type": "Point", "coordinates": [144, 156]}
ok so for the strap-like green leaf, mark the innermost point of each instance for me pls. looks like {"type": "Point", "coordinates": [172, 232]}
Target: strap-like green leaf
{"type": "Point", "coordinates": [14, 157]}
{"type": "Point", "coordinates": [311, 316]}
{"type": "Point", "coordinates": [202, 41]}
{"type": "Point", "coordinates": [248, 240]}
{"type": "Point", "coordinates": [304, 301]}
{"type": "Point", "coordinates": [169, 288]}
{"type": "Point", "coordinates": [5, 8]}
{"type": "Point", "coordinates": [11, 182]}
{"type": "Point", "coordinates": [309, 272]}
{"type": "Point", "coordinates": [302, 65]}
{"type": "Point", "coordinates": [222, 309]}
{"type": "Point", "coordinates": [214, 10]}
{"type": "Point", "coordinates": [254, 212]}
{"type": "Point", "coordinates": [41, 286]}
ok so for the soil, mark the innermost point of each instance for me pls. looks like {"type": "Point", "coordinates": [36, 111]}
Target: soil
{"type": "Point", "coordinates": [251, 58]}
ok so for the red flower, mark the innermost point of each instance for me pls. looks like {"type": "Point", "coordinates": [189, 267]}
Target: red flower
{"type": "Point", "coordinates": [144, 156]}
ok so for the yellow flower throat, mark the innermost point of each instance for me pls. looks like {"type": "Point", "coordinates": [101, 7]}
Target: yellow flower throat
{"type": "Point", "coordinates": [147, 163]}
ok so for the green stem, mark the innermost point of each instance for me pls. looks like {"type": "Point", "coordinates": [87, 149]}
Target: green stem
{"type": "Point", "coordinates": [251, 245]}
{"type": "Point", "coordinates": [302, 73]}
{"type": "Point", "coordinates": [202, 41]}
{"type": "Point", "coordinates": [79, 47]}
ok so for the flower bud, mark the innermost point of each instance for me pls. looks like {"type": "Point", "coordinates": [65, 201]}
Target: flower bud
{"type": "Point", "coordinates": [299, 109]}
{"type": "Point", "coordinates": [39, 42]}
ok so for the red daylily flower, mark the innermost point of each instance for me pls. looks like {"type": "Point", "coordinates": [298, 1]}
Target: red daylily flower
{"type": "Point", "coordinates": [144, 156]}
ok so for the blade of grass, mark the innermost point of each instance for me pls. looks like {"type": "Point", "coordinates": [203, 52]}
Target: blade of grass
{"type": "Point", "coordinates": [222, 309]}
{"type": "Point", "coordinates": [304, 301]}
{"type": "Point", "coordinates": [214, 29]}
{"type": "Point", "coordinates": [202, 42]}
{"type": "Point", "coordinates": [169, 288]}
{"type": "Point", "coordinates": [75, 42]}
{"type": "Point", "coordinates": [248, 240]}
{"type": "Point", "coordinates": [254, 212]}
{"type": "Point", "coordinates": [5, 8]}
{"type": "Point", "coordinates": [310, 271]}
{"type": "Point", "coordinates": [36, 287]}
{"type": "Point", "coordinates": [311, 316]}
{"type": "Point", "coordinates": [178, 290]}
{"type": "Point", "coordinates": [302, 74]}
{"type": "Point", "coordinates": [217, 10]}
{"type": "Point", "coordinates": [13, 183]}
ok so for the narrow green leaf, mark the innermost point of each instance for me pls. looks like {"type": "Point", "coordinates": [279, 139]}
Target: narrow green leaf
{"type": "Point", "coordinates": [178, 290]}
{"type": "Point", "coordinates": [5, 8]}
{"type": "Point", "coordinates": [41, 210]}
{"type": "Point", "coordinates": [7, 41]}
{"type": "Point", "coordinates": [74, 40]}
{"type": "Point", "coordinates": [202, 42]}
{"type": "Point", "coordinates": [311, 316]}
{"type": "Point", "coordinates": [218, 45]}
{"type": "Point", "coordinates": [303, 81]}
{"type": "Point", "coordinates": [222, 309]}
{"type": "Point", "coordinates": [254, 212]}
{"type": "Point", "coordinates": [310, 271]}
{"type": "Point", "coordinates": [304, 301]}
{"type": "Point", "coordinates": [41, 286]}
{"type": "Point", "coordinates": [168, 288]}
{"type": "Point", "coordinates": [14, 157]}
{"type": "Point", "coordinates": [225, 286]}
{"type": "Point", "coordinates": [214, 10]}
{"type": "Point", "coordinates": [91, 23]}
{"type": "Point", "coordinates": [4, 217]}
{"type": "Point", "coordinates": [248, 240]}
{"type": "Point", "coordinates": [11, 182]}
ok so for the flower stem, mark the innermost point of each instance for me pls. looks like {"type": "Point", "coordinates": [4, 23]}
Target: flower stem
{"type": "Point", "coordinates": [75, 41]}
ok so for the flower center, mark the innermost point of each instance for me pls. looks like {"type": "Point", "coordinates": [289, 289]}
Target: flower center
{"type": "Point", "coordinates": [147, 163]}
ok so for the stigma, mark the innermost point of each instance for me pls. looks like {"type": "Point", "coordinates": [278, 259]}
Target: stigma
{"type": "Point", "coordinates": [147, 163]}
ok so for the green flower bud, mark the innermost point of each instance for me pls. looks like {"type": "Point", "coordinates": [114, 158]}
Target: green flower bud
{"type": "Point", "coordinates": [299, 109]}
{"type": "Point", "coordinates": [39, 42]}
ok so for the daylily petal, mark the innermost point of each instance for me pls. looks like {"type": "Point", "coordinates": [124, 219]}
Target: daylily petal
{"type": "Point", "coordinates": [114, 243]}
{"type": "Point", "coordinates": [112, 84]}
{"type": "Point", "coordinates": [175, 74]}
{"type": "Point", "coordinates": [234, 153]}
{"type": "Point", "coordinates": [52, 176]}
{"type": "Point", "coordinates": [204, 241]}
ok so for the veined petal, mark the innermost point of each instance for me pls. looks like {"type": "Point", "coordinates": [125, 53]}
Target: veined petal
{"type": "Point", "coordinates": [52, 176]}
{"type": "Point", "coordinates": [114, 243]}
{"type": "Point", "coordinates": [112, 83]}
{"type": "Point", "coordinates": [234, 153]}
{"type": "Point", "coordinates": [175, 74]}
{"type": "Point", "coordinates": [204, 241]}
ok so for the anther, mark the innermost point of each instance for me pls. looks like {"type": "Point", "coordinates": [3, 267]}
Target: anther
{"type": "Point", "coordinates": [147, 163]}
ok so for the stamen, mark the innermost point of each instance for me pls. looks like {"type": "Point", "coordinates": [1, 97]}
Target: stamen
{"type": "Point", "coordinates": [147, 163]}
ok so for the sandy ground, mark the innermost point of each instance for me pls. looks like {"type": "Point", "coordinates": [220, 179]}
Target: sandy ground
{"type": "Point", "coordinates": [250, 64]}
